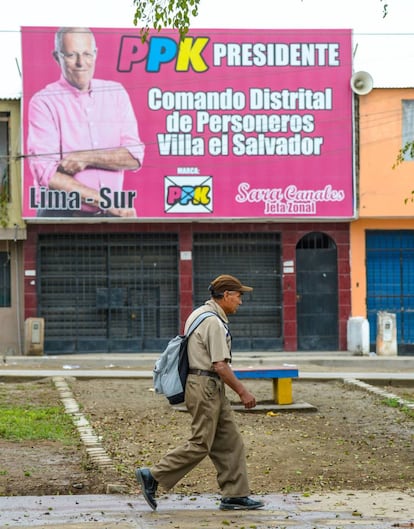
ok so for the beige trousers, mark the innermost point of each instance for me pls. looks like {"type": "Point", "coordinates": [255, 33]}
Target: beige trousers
{"type": "Point", "coordinates": [213, 433]}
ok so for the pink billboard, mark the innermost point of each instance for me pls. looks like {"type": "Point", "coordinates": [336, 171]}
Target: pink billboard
{"type": "Point", "coordinates": [227, 124]}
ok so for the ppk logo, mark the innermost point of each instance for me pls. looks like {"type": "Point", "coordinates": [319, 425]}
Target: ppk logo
{"type": "Point", "coordinates": [188, 194]}
{"type": "Point", "coordinates": [185, 54]}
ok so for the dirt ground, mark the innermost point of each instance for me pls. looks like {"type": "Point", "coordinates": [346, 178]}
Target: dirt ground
{"type": "Point", "coordinates": [352, 441]}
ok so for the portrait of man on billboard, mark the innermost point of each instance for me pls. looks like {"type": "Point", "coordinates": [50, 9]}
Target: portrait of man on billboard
{"type": "Point", "coordinates": [82, 137]}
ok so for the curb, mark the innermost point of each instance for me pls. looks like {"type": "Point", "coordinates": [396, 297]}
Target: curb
{"type": "Point", "coordinates": [402, 403]}
{"type": "Point", "coordinates": [91, 441]}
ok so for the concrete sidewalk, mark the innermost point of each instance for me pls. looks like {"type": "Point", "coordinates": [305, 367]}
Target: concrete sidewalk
{"type": "Point", "coordinates": [307, 361]}
{"type": "Point", "coordinates": [364, 509]}
{"type": "Point", "coordinates": [318, 365]}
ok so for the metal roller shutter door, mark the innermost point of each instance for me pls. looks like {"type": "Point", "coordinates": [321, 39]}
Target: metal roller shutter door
{"type": "Point", "coordinates": [107, 292]}
{"type": "Point", "coordinates": [256, 260]}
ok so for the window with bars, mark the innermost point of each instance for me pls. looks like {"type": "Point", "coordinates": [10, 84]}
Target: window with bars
{"type": "Point", "coordinates": [316, 241]}
{"type": "Point", "coordinates": [4, 156]}
{"type": "Point", "coordinates": [5, 286]}
{"type": "Point", "coordinates": [407, 125]}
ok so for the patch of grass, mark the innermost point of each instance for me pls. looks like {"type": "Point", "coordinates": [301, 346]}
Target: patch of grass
{"type": "Point", "coordinates": [408, 411]}
{"type": "Point", "coordinates": [19, 423]}
{"type": "Point", "coordinates": [391, 402]}
{"type": "Point", "coordinates": [395, 403]}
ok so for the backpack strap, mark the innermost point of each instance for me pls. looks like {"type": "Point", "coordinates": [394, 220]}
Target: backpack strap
{"type": "Point", "coordinates": [201, 317]}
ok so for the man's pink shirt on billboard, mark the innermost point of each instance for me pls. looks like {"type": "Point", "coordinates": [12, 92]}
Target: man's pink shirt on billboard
{"type": "Point", "coordinates": [63, 119]}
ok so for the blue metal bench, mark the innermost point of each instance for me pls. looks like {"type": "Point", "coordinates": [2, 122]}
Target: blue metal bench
{"type": "Point", "coordinates": [281, 377]}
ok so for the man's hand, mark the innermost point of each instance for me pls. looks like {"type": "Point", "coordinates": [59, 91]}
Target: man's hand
{"type": "Point", "coordinates": [116, 159]}
{"type": "Point", "coordinates": [122, 212]}
{"type": "Point", "coordinates": [225, 372]}
{"type": "Point", "coordinates": [73, 163]}
{"type": "Point", "coordinates": [248, 399]}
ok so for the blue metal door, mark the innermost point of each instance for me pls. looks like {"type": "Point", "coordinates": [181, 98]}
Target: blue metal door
{"type": "Point", "coordinates": [390, 282]}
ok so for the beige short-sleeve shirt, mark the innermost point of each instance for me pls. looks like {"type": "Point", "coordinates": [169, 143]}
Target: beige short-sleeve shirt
{"type": "Point", "coordinates": [211, 341]}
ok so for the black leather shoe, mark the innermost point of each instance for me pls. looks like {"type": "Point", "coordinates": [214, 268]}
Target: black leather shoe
{"type": "Point", "coordinates": [148, 486]}
{"type": "Point", "coordinates": [231, 504]}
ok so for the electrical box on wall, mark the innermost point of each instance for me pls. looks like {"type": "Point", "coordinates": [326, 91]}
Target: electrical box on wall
{"type": "Point", "coordinates": [34, 336]}
{"type": "Point", "coordinates": [386, 334]}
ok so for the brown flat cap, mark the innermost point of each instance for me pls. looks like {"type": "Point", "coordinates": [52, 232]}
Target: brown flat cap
{"type": "Point", "coordinates": [227, 282]}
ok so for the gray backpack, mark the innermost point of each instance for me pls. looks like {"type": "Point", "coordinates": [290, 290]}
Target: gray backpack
{"type": "Point", "coordinates": [171, 369]}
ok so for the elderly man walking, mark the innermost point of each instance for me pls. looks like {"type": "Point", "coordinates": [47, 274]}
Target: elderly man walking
{"type": "Point", "coordinates": [214, 432]}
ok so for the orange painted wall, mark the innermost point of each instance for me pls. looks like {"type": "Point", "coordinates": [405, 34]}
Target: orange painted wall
{"type": "Point", "coordinates": [382, 189]}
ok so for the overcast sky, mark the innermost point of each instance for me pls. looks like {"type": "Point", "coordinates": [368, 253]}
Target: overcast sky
{"type": "Point", "coordinates": [360, 15]}
{"type": "Point", "coordinates": [382, 45]}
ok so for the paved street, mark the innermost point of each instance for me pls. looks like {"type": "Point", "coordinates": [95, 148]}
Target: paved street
{"type": "Point", "coordinates": [332, 510]}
